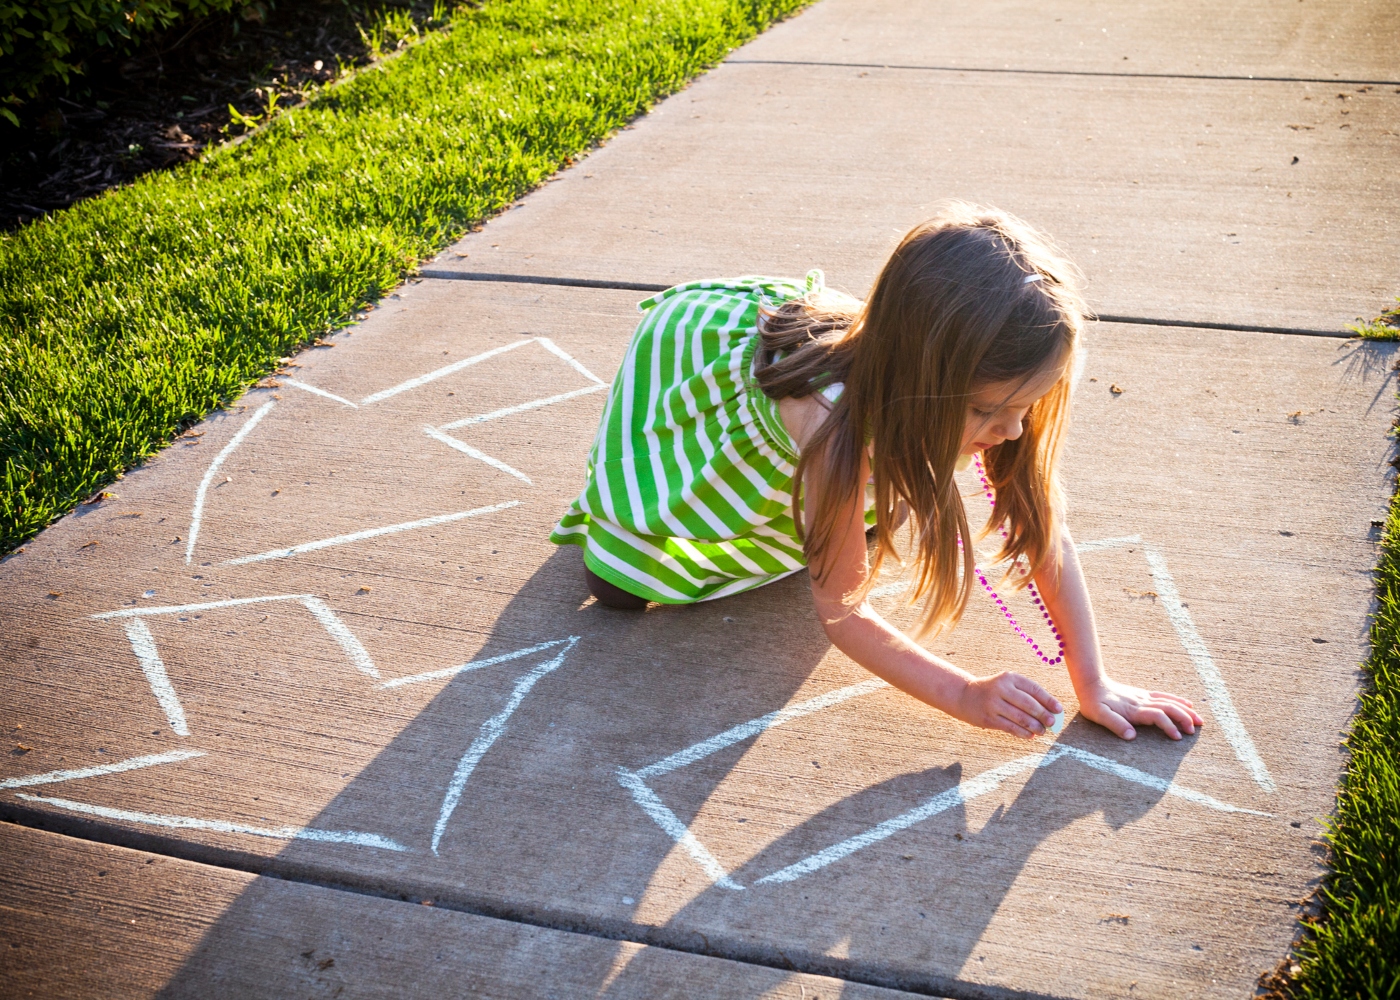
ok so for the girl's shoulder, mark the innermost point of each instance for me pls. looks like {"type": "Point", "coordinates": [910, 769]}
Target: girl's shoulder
{"type": "Point", "coordinates": [766, 291]}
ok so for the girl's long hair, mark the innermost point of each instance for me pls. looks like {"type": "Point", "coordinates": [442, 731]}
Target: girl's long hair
{"type": "Point", "coordinates": [951, 312]}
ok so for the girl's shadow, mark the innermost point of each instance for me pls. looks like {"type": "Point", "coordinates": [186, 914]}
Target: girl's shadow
{"type": "Point", "coordinates": [933, 887]}
{"type": "Point", "coordinates": [543, 832]}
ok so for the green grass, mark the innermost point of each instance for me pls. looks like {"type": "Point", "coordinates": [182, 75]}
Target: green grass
{"type": "Point", "coordinates": [1353, 950]}
{"type": "Point", "coordinates": [1386, 326]}
{"type": "Point", "coordinates": [127, 317]}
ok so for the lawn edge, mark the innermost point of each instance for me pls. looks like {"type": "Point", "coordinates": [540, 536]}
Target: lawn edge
{"type": "Point", "coordinates": [1323, 957]}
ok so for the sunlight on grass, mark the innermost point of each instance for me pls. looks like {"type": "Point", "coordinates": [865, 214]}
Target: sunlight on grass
{"type": "Point", "coordinates": [1353, 951]}
{"type": "Point", "coordinates": [1386, 326]}
{"type": "Point", "coordinates": [132, 314]}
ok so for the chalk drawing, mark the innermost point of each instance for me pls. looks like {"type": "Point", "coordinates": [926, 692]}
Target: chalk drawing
{"type": "Point", "coordinates": [1217, 693]}
{"type": "Point", "coordinates": [438, 373]}
{"type": "Point", "coordinates": [491, 730]}
{"type": "Point", "coordinates": [635, 781]}
{"type": "Point", "coordinates": [116, 767]}
{"type": "Point", "coordinates": [319, 392]}
{"type": "Point", "coordinates": [341, 633]}
{"type": "Point", "coordinates": [569, 359]}
{"type": "Point", "coordinates": [679, 832]}
{"type": "Point", "coordinates": [434, 675]}
{"type": "Point", "coordinates": [143, 644]}
{"type": "Point", "coordinates": [198, 513]}
{"type": "Point", "coordinates": [742, 732]}
{"type": "Point", "coordinates": [981, 784]}
{"type": "Point", "coordinates": [480, 456]}
{"type": "Point", "coordinates": [1127, 773]}
{"type": "Point", "coordinates": [175, 609]}
{"type": "Point", "coordinates": [1222, 706]}
{"type": "Point", "coordinates": [965, 791]}
{"type": "Point", "coordinates": [357, 536]}
{"type": "Point", "coordinates": [439, 433]}
{"type": "Point", "coordinates": [533, 404]}
{"type": "Point", "coordinates": [222, 826]}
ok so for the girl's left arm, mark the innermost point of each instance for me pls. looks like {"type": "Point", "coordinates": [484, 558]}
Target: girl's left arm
{"type": "Point", "coordinates": [1110, 703]}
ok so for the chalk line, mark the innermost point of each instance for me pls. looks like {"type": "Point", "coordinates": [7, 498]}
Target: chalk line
{"type": "Point", "coordinates": [534, 404]}
{"type": "Point", "coordinates": [356, 536]}
{"type": "Point", "coordinates": [679, 832]}
{"type": "Point", "coordinates": [359, 656]}
{"type": "Point", "coordinates": [143, 644]}
{"type": "Point", "coordinates": [570, 360]}
{"type": "Point", "coordinates": [635, 781]}
{"type": "Point", "coordinates": [755, 726]}
{"type": "Point", "coordinates": [287, 380]}
{"type": "Point", "coordinates": [480, 456]}
{"type": "Point", "coordinates": [961, 793]}
{"type": "Point", "coordinates": [173, 609]}
{"type": "Point", "coordinates": [965, 791]}
{"type": "Point", "coordinates": [433, 675]}
{"type": "Point", "coordinates": [1100, 544]}
{"type": "Point", "coordinates": [117, 767]}
{"type": "Point", "coordinates": [1221, 705]}
{"type": "Point", "coordinates": [986, 782]}
{"type": "Point", "coordinates": [222, 826]}
{"type": "Point", "coordinates": [198, 513]}
{"type": "Point", "coordinates": [456, 366]}
{"type": "Point", "coordinates": [491, 730]}
{"type": "Point", "coordinates": [1109, 766]}
{"type": "Point", "coordinates": [1217, 693]}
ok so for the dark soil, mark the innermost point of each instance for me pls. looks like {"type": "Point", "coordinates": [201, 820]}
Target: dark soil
{"type": "Point", "coordinates": [164, 103]}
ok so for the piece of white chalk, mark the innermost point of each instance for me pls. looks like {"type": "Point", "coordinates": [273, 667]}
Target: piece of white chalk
{"type": "Point", "coordinates": [1059, 723]}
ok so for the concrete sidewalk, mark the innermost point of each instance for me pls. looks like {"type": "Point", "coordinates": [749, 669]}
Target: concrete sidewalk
{"type": "Point", "coordinates": [325, 638]}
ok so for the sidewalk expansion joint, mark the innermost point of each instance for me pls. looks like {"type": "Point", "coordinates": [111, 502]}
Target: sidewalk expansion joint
{"type": "Point", "coordinates": [441, 274]}
{"type": "Point", "coordinates": [1245, 78]}
{"type": "Point", "coordinates": [540, 279]}
{"type": "Point", "coordinates": [664, 938]}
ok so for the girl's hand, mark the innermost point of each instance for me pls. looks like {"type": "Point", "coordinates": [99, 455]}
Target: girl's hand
{"type": "Point", "coordinates": [1009, 702]}
{"type": "Point", "coordinates": [1118, 707]}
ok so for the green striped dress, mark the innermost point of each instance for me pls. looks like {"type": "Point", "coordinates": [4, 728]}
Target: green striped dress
{"type": "Point", "coordinates": [689, 489]}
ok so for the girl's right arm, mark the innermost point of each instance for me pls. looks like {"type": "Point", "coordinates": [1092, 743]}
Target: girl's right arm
{"type": "Point", "coordinates": [1004, 701]}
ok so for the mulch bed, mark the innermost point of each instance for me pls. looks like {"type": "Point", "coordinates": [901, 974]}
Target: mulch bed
{"type": "Point", "coordinates": [166, 102]}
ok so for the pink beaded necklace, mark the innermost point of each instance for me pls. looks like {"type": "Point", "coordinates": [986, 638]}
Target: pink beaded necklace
{"type": "Point", "coordinates": [1035, 594]}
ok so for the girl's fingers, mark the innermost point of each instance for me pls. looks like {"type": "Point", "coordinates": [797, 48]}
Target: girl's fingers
{"type": "Point", "coordinates": [1168, 696]}
{"type": "Point", "coordinates": [1115, 722]}
{"type": "Point", "coordinates": [1004, 710]}
{"type": "Point", "coordinates": [1160, 719]}
{"type": "Point", "coordinates": [1018, 699]}
{"type": "Point", "coordinates": [1009, 725]}
{"type": "Point", "coordinates": [1180, 716]}
{"type": "Point", "coordinates": [1046, 700]}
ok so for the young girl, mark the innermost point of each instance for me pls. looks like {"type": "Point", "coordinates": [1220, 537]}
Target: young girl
{"type": "Point", "coordinates": [758, 426]}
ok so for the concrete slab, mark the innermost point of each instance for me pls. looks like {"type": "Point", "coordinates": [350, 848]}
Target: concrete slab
{"type": "Point", "coordinates": [1238, 202]}
{"type": "Point", "coordinates": [438, 711]}
{"type": "Point", "coordinates": [1254, 38]}
{"type": "Point", "coordinates": [91, 920]}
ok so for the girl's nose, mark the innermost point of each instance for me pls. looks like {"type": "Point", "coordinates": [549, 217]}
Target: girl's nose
{"type": "Point", "coordinates": [1010, 430]}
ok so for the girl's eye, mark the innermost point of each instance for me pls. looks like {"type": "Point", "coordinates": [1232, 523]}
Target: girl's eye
{"type": "Point", "coordinates": [983, 413]}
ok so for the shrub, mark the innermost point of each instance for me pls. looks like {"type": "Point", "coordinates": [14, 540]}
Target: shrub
{"type": "Point", "coordinates": [41, 40]}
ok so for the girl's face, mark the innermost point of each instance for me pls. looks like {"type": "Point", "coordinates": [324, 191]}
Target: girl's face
{"type": "Point", "coordinates": [997, 409]}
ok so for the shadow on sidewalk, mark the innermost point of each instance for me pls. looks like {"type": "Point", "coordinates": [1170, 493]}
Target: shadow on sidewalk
{"type": "Point", "coordinates": [544, 833]}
